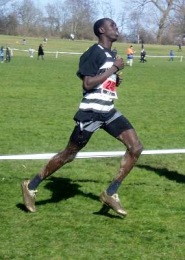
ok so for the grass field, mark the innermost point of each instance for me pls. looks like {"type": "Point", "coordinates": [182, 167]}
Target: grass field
{"type": "Point", "coordinates": [38, 101]}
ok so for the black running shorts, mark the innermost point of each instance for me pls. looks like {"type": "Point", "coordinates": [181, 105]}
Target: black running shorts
{"type": "Point", "coordinates": [112, 122]}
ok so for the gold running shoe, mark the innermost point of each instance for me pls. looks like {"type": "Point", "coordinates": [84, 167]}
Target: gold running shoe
{"type": "Point", "coordinates": [28, 196]}
{"type": "Point", "coordinates": [113, 202]}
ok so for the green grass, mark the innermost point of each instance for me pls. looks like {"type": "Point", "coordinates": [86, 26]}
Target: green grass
{"type": "Point", "coordinates": [38, 101]}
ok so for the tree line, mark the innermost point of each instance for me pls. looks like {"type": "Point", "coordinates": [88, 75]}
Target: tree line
{"type": "Point", "coordinates": [146, 21]}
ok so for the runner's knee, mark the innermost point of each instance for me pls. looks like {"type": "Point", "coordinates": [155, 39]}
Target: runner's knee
{"type": "Point", "coordinates": [66, 156]}
{"type": "Point", "coordinates": [136, 149]}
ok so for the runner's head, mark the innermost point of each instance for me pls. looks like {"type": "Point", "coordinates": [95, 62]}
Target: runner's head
{"type": "Point", "coordinates": [106, 26]}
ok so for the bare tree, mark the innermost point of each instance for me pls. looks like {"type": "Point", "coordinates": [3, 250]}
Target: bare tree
{"type": "Point", "coordinates": [107, 9]}
{"type": "Point", "coordinates": [162, 10]}
{"type": "Point", "coordinates": [4, 2]}
{"type": "Point", "coordinates": [80, 16]}
{"type": "Point", "coordinates": [8, 20]}
{"type": "Point", "coordinates": [11, 24]}
{"type": "Point", "coordinates": [54, 17]}
{"type": "Point", "coordinates": [178, 21]}
{"type": "Point", "coordinates": [29, 16]}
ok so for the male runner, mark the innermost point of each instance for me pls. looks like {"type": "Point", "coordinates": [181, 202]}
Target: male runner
{"type": "Point", "coordinates": [97, 70]}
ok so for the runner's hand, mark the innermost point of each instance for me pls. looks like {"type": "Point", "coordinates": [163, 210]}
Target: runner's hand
{"type": "Point", "coordinates": [119, 63]}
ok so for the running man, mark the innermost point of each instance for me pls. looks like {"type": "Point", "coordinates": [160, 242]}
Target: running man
{"type": "Point", "coordinates": [130, 55]}
{"type": "Point", "coordinates": [98, 69]}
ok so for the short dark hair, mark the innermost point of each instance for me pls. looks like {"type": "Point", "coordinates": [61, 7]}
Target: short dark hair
{"type": "Point", "coordinates": [98, 24]}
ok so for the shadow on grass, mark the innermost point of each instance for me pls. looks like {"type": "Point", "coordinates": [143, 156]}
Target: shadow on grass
{"type": "Point", "coordinates": [105, 212]}
{"type": "Point", "coordinates": [65, 188]}
{"type": "Point", "coordinates": [170, 175]}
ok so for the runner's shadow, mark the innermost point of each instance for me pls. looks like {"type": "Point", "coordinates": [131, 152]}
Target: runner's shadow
{"type": "Point", "coordinates": [170, 175]}
{"type": "Point", "coordinates": [63, 189]}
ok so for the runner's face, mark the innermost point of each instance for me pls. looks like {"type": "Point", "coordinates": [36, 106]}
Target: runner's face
{"type": "Point", "coordinates": [111, 30]}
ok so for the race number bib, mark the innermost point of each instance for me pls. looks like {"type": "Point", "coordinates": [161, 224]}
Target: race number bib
{"type": "Point", "coordinates": [109, 87]}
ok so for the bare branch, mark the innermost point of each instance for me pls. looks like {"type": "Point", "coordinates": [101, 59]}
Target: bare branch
{"type": "Point", "coordinates": [4, 2]}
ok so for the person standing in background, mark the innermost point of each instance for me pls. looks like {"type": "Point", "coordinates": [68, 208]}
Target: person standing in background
{"type": "Point", "coordinates": [8, 56]}
{"type": "Point", "coordinates": [171, 55]}
{"type": "Point", "coordinates": [40, 52]}
{"type": "Point", "coordinates": [2, 54]}
{"type": "Point", "coordinates": [143, 54]}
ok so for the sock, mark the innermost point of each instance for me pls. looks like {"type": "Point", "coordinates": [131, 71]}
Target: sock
{"type": "Point", "coordinates": [113, 187]}
{"type": "Point", "coordinates": [34, 183]}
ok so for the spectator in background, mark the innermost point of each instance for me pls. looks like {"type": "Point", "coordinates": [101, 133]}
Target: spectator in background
{"type": "Point", "coordinates": [40, 52]}
{"type": "Point", "coordinates": [2, 54]}
{"type": "Point", "coordinates": [171, 55]}
{"type": "Point", "coordinates": [45, 40]}
{"type": "Point", "coordinates": [180, 46]}
{"type": "Point", "coordinates": [143, 54]}
{"type": "Point", "coordinates": [24, 41]}
{"type": "Point", "coordinates": [130, 55]}
{"type": "Point", "coordinates": [31, 52]}
{"type": "Point", "coordinates": [72, 36]}
{"type": "Point", "coordinates": [8, 56]}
